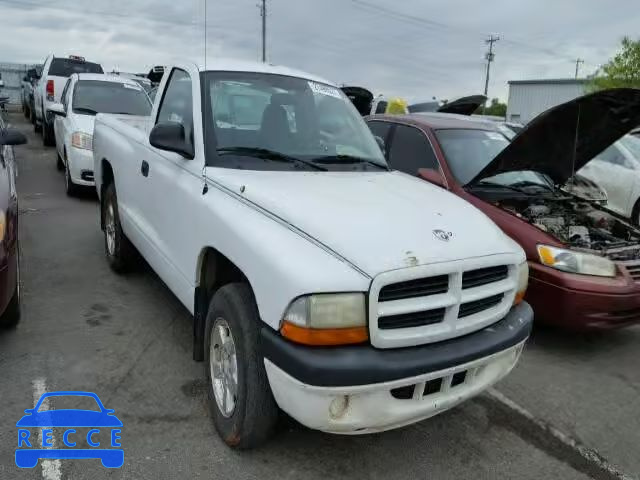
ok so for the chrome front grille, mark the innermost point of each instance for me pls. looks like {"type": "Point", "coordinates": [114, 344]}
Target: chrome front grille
{"type": "Point", "coordinates": [432, 303]}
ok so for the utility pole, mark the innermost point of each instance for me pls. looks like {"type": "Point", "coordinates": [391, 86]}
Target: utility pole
{"type": "Point", "coordinates": [489, 56]}
{"type": "Point", "coordinates": [263, 14]}
{"type": "Point", "coordinates": [578, 62]}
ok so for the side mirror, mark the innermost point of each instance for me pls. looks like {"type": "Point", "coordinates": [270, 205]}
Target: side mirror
{"type": "Point", "coordinates": [380, 142]}
{"type": "Point", "coordinates": [57, 109]}
{"type": "Point", "coordinates": [433, 176]}
{"type": "Point", "coordinates": [170, 136]}
{"type": "Point", "coordinates": [9, 136]}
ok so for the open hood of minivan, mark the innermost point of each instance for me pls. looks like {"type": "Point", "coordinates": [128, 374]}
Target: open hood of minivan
{"type": "Point", "coordinates": [565, 138]}
{"type": "Point", "coordinates": [464, 105]}
{"type": "Point", "coordinates": [360, 97]}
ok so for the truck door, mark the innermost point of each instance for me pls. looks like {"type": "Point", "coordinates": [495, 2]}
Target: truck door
{"type": "Point", "coordinates": [172, 188]}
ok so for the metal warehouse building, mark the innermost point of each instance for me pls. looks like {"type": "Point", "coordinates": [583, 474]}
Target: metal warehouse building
{"type": "Point", "coordinates": [12, 74]}
{"type": "Point", "coordinates": [528, 98]}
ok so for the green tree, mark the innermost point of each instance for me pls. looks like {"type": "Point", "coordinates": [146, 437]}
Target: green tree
{"type": "Point", "coordinates": [496, 108]}
{"type": "Point", "coordinates": [623, 70]}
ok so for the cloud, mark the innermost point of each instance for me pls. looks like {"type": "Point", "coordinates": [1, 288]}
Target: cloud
{"type": "Point", "coordinates": [415, 48]}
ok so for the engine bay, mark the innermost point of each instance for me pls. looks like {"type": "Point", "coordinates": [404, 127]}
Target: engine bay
{"type": "Point", "coordinates": [579, 224]}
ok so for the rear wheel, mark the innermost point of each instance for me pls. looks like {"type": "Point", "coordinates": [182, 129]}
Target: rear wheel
{"type": "Point", "coordinates": [11, 315]}
{"type": "Point", "coordinates": [118, 249]}
{"type": "Point", "coordinates": [242, 406]}
{"type": "Point", "coordinates": [59, 162]}
{"type": "Point", "coordinates": [25, 110]}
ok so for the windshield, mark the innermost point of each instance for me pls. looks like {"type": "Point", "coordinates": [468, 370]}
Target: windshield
{"type": "Point", "coordinates": [632, 143]}
{"type": "Point", "coordinates": [65, 67]}
{"type": "Point", "coordinates": [291, 116]}
{"type": "Point", "coordinates": [469, 151]}
{"type": "Point", "coordinates": [94, 96]}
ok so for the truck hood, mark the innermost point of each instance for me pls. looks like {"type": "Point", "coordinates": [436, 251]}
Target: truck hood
{"type": "Point", "coordinates": [84, 123]}
{"type": "Point", "coordinates": [563, 139]}
{"type": "Point", "coordinates": [378, 221]}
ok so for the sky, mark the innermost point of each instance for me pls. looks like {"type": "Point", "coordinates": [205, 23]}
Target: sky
{"type": "Point", "coordinates": [416, 49]}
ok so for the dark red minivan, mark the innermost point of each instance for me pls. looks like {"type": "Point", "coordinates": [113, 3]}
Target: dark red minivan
{"type": "Point", "coordinates": [584, 260]}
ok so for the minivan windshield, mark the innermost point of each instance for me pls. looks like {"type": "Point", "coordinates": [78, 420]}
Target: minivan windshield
{"type": "Point", "coordinates": [265, 121]}
{"type": "Point", "coordinates": [95, 96]}
{"type": "Point", "coordinates": [468, 151]}
{"type": "Point", "coordinates": [65, 67]}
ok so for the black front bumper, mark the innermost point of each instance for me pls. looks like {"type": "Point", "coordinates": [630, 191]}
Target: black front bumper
{"type": "Point", "coordinates": [364, 364]}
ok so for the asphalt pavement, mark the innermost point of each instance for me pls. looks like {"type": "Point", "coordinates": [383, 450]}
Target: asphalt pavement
{"type": "Point", "coordinates": [570, 409]}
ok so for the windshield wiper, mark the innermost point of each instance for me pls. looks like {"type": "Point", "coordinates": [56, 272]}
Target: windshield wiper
{"type": "Point", "coordinates": [266, 154]}
{"type": "Point", "coordinates": [338, 159]}
{"type": "Point", "coordinates": [90, 111]}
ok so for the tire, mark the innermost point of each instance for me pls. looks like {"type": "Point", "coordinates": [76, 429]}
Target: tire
{"type": "Point", "coordinates": [48, 139]}
{"type": "Point", "coordinates": [253, 419]}
{"type": "Point", "coordinates": [11, 315]}
{"type": "Point", "coordinates": [635, 214]}
{"type": "Point", "coordinates": [37, 127]}
{"type": "Point", "coordinates": [121, 254]}
{"type": "Point", "coordinates": [71, 188]}
{"type": "Point", "coordinates": [25, 110]}
{"type": "Point", "coordinates": [32, 115]}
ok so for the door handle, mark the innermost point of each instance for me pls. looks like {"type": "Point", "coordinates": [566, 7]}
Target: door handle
{"type": "Point", "coordinates": [144, 168]}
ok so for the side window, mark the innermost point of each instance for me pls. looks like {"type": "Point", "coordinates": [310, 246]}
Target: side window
{"type": "Point", "coordinates": [380, 129]}
{"type": "Point", "coordinates": [177, 102]}
{"type": "Point", "coordinates": [65, 94]}
{"type": "Point", "coordinates": [410, 150]}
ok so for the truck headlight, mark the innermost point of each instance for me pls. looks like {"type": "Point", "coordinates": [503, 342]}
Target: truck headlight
{"type": "Point", "coordinates": [523, 282]}
{"type": "Point", "coordinates": [82, 140]}
{"type": "Point", "coordinates": [326, 319]}
{"type": "Point", "coordinates": [576, 262]}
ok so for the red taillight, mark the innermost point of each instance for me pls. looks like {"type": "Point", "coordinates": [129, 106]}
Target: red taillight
{"type": "Point", "coordinates": [50, 88]}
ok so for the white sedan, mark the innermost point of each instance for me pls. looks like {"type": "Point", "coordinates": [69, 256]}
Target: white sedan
{"type": "Point", "coordinates": [84, 96]}
{"type": "Point", "coordinates": [617, 171]}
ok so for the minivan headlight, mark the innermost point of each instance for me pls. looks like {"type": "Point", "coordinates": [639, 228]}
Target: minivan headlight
{"type": "Point", "coordinates": [326, 319]}
{"type": "Point", "coordinates": [576, 262]}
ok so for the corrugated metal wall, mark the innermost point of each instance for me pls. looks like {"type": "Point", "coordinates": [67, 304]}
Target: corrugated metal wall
{"type": "Point", "coordinates": [12, 74]}
{"type": "Point", "coordinates": [527, 100]}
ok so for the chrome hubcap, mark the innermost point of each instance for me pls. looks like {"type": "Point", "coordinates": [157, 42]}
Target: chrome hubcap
{"type": "Point", "coordinates": [224, 367]}
{"type": "Point", "coordinates": [110, 229]}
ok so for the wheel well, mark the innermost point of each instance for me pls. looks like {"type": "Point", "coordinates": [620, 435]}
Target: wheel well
{"type": "Point", "coordinates": [214, 271]}
{"type": "Point", "coordinates": [107, 179]}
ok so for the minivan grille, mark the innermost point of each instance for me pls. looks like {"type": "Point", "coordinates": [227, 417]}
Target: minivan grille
{"type": "Point", "coordinates": [482, 276]}
{"type": "Point", "coordinates": [421, 287]}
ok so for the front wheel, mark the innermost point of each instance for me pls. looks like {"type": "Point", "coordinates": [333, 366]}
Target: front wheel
{"type": "Point", "coordinates": [71, 188]}
{"type": "Point", "coordinates": [118, 249]}
{"type": "Point", "coordinates": [242, 406]}
{"type": "Point", "coordinates": [11, 315]}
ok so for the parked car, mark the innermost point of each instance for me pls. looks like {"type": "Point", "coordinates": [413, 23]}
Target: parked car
{"type": "Point", "coordinates": [617, 171]}
{"type": "Point", "coordinates": [584, 259]}
{"type": "Point", "coordinates": [9, 262]}
{"type": "Point", "coordinates": [48, 90]}
{"type": "Point", "coordinates": [26, 91]}
{"type": "Point", "coordinates": [83, 97]}
{"type": "Point", "coordinates": [354, 298]}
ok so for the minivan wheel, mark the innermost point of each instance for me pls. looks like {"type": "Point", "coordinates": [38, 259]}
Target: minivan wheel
{"type": "Point", "coordinates": [119, 251]}
{"type": "Point", "coordinates": [242, 406]}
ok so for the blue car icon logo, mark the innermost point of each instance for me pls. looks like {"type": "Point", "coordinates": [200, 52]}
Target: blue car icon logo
{"type": "Point", "coordinates": [36, 429]}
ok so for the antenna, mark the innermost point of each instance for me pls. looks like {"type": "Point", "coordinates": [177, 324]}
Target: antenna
{"type": "Point", "coordinates": [205, 187]}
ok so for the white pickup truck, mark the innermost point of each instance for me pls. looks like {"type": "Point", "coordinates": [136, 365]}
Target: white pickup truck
{"type": "Point", "coordinates": [355, 298]}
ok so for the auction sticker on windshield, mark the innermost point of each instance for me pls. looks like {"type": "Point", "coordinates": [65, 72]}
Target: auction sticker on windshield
{"type": "Point", "coordinates": [85, 433]}
{"type": "Point", "coordinates": [324, 89]}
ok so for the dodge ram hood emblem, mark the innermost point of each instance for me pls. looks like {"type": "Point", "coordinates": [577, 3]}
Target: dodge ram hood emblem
{"type": "Point", "coordinates": [442, 235]}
